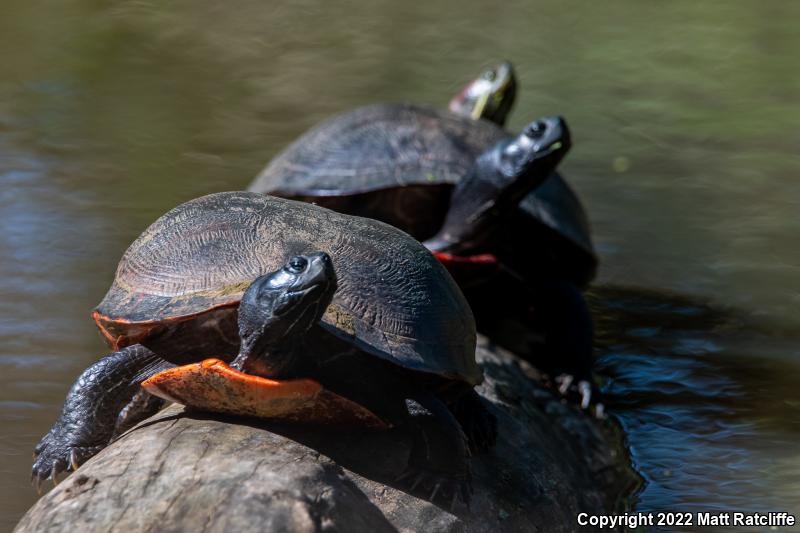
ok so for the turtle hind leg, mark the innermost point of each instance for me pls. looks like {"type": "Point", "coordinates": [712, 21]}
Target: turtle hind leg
{"type": "Point", "coordinates": [478, 423]}
{"type": "Point", "coordinates": [439, 463]}
{"type": "Point", "coordinates": [91, 410]}
{"type": "Point", "coordinates": [568, 328]}
{"type": "Point", "coordinates": [569, 339]}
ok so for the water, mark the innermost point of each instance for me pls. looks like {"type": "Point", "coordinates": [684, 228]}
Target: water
{"type": "Point", "coordinates": [685, 122]}
{"type": "Point", "coordinates": [707, 399]}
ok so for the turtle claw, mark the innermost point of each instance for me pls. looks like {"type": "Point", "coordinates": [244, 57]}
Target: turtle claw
{"type": "Point", "coordinates": [466, 493]}
{"type": "Point", "coordinates": [453, 501]}
{"type": "Point", "coordinates": [564, 382]}
{"type": "Point", "coordinates": [585, 389]}
{"type": "Point", "coordinates": [436, 489]}
{"type": "Point", "coordinates": [55, 456]}
{"type": "Point", "coordinates": [600, 411]}
{"type": "Point", "coordinates": [49, 463]}
{"type": "Point", "coordinates": [417, 481]}
{"type": "Point", "coordinates": [582, 393]}
{"type": "Point", "coordinates": [73, 460]}
{"type": "Point", "coordinates": [403, 475]}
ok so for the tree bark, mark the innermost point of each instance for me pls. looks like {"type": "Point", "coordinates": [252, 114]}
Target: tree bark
{"type": "Point", "coordinates": [182, 471]}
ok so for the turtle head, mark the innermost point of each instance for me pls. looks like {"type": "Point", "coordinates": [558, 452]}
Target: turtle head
{"type": "Point", "coordinates": [278, 309]}
{"type": "Point", "coordinates": [526, 160]}
{"type": "Point", "coordinates": [488, 96]}
{"type": "Point", "coordinates": [500, 178]}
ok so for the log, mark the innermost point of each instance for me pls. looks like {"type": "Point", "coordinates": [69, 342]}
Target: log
{"type": "Point", "coordinates": [184, 471]}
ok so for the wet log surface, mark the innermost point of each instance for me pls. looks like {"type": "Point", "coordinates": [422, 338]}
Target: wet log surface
{"type": "Point", "coordinates": [181, 471]}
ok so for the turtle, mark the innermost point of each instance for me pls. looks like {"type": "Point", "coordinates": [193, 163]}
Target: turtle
{"type": "Point", "coordinates": [406, 164]}
{"type": "Point", "coordinates": [553, 204]}
{"type": "Point", "coordinates": [490, 96]}
{"type": "Point", "coordinates": [238, 275]}
{"type": "Point", "coordinates": [399, 163]}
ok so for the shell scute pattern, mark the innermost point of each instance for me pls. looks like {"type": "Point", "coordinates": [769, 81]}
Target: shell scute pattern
{"type": "Point", "coordinates": [380, 146]}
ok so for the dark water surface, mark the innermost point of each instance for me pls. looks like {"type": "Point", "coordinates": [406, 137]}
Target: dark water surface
{"type": "Point", "coordinates": [686, 124]}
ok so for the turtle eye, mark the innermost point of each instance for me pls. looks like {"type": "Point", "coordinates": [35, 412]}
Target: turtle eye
{"type": "Point", "coordinates": [536, 129]}
{"type": "Point", "coordinates": [297, 264]}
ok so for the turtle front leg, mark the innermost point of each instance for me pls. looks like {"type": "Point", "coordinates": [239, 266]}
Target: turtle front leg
{"type": "Point", "coordinates": [439, 460]}
{"type": "Point", "coordinates": [92, 409]}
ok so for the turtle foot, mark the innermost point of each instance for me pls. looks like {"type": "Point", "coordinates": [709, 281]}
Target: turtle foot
{"type": "Point", "coordinates": [92, 409]}
{"type": "Point", "coordinates": [438, 467]}
{"type": "Point", "coordinates": [55, 455]}
{"type": "Point", "coordinates": [582, 393]}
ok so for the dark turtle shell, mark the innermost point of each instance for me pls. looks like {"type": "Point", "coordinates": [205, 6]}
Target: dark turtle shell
{"type": "Point", "coordinates": [398, 163]}
{"type": "Point", "coordinates": [394, 299]}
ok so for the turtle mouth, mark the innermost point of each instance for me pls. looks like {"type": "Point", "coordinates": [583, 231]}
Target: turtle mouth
{"type": "Point", "coordinates": [304, 292]}
{"type": "Point", "coordinates": [315, 298]}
